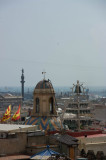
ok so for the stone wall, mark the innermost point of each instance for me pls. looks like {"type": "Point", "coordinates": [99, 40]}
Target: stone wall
{"type": "Point", "coordinates": [37, 140]}
{"type": "Point", "coordinates": [13, 145]}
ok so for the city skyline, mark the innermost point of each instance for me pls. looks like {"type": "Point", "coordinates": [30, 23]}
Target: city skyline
{"type": "Point", "coordinates": [65, 38]}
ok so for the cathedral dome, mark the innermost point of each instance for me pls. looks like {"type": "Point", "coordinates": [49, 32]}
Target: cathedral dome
{"type": "Point", "coordinates": [44, 84]}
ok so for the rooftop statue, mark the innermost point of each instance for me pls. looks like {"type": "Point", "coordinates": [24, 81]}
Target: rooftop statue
{"type": "Point", "coordinates": [77, 88]}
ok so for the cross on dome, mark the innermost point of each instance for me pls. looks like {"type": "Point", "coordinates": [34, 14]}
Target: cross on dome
{"type": "Point", "coordinates": [44, 74]}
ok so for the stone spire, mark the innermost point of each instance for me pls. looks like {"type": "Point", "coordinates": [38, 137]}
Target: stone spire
{"type": "Point", "coordinates": [22, 84]}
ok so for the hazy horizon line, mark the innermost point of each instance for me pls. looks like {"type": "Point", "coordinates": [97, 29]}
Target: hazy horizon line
{"type": "Point", "coordinates": [53, 86]}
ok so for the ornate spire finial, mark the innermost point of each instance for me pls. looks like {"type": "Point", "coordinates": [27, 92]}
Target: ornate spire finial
{"type": "Point", "coordinates": [44, 74]}
{"type": "Point", "coordinates": [22, 70]}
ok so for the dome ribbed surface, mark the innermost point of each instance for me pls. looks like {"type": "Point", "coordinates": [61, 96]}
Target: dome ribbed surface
{"type": "Point", "coordinates": [44, 84]}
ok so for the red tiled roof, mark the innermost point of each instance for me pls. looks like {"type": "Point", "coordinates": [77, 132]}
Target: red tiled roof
{"type": "Point", "coordinates": [95, 135]}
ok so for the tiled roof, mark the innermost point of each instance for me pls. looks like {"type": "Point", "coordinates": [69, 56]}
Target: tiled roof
{"type": "Point", "coordinates": [66, 139]}
{"type": "Point", "coordinates": [45, 123]}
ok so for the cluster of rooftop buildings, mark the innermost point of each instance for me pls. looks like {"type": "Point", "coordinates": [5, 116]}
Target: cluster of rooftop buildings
{"type": "Point", "coordinates": [67, 124]}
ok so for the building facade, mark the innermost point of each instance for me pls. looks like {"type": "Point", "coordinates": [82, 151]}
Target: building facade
{"type": "Point", "coordinates": [78, 113]}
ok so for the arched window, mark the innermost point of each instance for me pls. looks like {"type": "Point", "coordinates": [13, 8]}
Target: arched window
{"type": "Point", "coordinates": [37, 105]}
{"type": "Point", "coordinates": [51, 105]}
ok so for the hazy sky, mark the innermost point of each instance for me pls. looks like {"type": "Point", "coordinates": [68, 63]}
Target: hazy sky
{"type": "Point", "coordinates": [66, 38]}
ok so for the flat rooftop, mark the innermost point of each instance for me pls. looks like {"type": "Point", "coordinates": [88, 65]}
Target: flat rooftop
{"type": "Point", "coordinates": [14, 127]}
{"type": "Point", "coordinates": [15, 157]}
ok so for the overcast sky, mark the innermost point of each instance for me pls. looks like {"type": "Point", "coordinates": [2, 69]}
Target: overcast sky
{"type": "Point", "coordinates": [66, 38]}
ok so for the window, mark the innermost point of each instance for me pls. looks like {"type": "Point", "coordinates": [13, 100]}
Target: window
{"type": "Point", "coordinates": [37, 105]}
{"type": "Point", "coordinates": [51, 105]}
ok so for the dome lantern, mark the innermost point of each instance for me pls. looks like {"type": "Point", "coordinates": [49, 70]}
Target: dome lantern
{"type": "Point", "coordinates": [44, 99]}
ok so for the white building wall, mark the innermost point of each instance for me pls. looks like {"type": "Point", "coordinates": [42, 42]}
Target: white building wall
{"type": "Point", "coordinates": [93, 143]}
